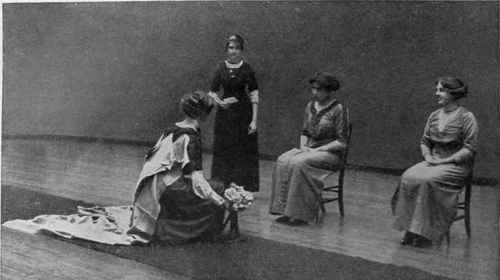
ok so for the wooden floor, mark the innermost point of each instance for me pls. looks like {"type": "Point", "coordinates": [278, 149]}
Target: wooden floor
{"type": "Point", "coordinates": [104, 173]}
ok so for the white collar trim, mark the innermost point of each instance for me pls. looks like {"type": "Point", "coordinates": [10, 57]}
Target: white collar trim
{"type": "Point", "coordinates": [233, 65]}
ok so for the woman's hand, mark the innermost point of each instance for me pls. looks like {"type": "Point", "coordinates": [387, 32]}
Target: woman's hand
{"type": "Point", "coordinates": [227, 102]}
{"type": "Point", "coordinates": [216, 99]}
{"type": "Point", "coordinates": [252, 128]}
{"type": "Point", "coordinates": [432, 160]}
{"type": "Point", "coordinates": [150, 153]}
{"type": "Point", "coordinates": [224, 104]}
{"type": "Point", "coordinates": [308, 149]}
{"type": "Point", "coordinates": [226, 204]}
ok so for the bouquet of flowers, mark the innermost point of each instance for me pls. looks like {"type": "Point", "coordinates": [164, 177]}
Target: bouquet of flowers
{"type": "Point", "coordinates": [239, 198]}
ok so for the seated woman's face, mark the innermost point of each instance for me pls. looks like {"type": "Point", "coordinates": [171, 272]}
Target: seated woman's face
{"type": "Point", "coordinates": [443, 97]}
{"type": "Point", "coordinates": [319, 93]}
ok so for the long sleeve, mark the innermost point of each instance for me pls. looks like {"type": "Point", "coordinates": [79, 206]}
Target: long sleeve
{"type": "Point", "coordinates": [203, 189]}
{"type": "Point", "coordinates": [305, 123]}
{"type": "Point", "coordinates": [471, 132]}
{"type": "Point", "coordinates": [340, 119]}
{"type": "Point", "coordinates": [426, 137]}
{"type": "Point", "coordinates": [470, 140]}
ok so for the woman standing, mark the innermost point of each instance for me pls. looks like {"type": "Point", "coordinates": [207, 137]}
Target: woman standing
{"type": "Point", "coordinates": [425, 203]}
{"type": "Point", "coordinates": [235, 151]}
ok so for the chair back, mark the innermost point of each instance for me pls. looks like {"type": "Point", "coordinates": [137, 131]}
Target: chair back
{"type": "Point", "coordinates": [344, 158]}
{"type": "Point", "coordinates": [348, 142]}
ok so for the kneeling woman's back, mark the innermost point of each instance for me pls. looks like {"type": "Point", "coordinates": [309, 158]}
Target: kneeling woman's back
{"type": "Point", "coordinates": [173, 201]}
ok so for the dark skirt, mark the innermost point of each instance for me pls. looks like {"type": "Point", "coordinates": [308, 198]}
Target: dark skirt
{"type": "Point", "coordinates": [178, 215]}
{"type": "Point", "coordinates": [235, 152]}
{"type": "Point", "coordinates": [186, 216]}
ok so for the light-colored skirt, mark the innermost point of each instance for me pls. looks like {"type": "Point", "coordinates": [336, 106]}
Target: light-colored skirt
{"type": "Point", "coordinates": [426, 199]}
{"type": "Point", "coordinates": [298, 179]}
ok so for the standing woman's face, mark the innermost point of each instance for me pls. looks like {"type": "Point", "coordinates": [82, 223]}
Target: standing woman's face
{"type": "Point", "coordinates": [319, 93]}
{"type": "Point", "coordinates": [233, 52]}
{"type": "Point", "coordinates": [443, 97]}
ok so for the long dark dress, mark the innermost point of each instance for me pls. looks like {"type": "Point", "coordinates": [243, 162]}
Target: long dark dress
{"type": "Point", "coordinates": [166, 205]}
{"type": "Point", "coordinates": [235, 152]}
{"type": "Point", "coordinates": [426, 200]}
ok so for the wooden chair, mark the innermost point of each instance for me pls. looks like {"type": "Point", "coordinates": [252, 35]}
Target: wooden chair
{"type": "Point", "coordinates": [464, 206]}
{"type": "Point", "coordinates": [336, 189]}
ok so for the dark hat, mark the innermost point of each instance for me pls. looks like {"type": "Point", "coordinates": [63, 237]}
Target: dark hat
{"type": "Point", "coordinates": [236, 39]}
{"type": "Point", "coordinates": [196, 104]}
{"type": "Point", "coordinates": [325, 80]}
{"type": "Point", "coordinates": [453, 86]}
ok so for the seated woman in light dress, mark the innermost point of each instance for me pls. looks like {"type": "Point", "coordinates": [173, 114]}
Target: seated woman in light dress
{"type": "Point", "coordinates": [299, 173]}
{"type": "Point", "coordinates": [425, 203]}
{"type": "Point", "coordinates": [173, 201]}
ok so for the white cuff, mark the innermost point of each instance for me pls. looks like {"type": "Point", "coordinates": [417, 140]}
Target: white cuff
{"type": "Point", "coordinates": [254, 96]}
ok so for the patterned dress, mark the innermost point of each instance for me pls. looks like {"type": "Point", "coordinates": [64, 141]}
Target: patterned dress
{"type": "Point", "coordinates": [426, 200]}
{"type": "Point", "coordinates": [298, 174]}
{"type": "Point", "coordinates": [235, 152]}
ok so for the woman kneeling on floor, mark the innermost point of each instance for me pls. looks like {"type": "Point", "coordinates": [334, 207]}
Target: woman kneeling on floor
{"type": "Point", "coordinates": [173, 200]}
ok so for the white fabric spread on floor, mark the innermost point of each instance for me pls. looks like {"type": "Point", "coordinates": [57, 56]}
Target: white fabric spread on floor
{"type": "Point", "coordinates": [106, 225]}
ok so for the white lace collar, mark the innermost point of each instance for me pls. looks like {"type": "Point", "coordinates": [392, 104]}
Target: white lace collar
{"type": "Point", "coordinates": [233, 65]}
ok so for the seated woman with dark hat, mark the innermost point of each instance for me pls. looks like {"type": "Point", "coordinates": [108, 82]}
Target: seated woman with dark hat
{"type": "Point", "coordinates": [299, 173]}
{"type": "Point", "coordinates": [173, 200]}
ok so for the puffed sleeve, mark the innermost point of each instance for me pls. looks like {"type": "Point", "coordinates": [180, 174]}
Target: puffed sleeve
{"type": "Point", "coordinates": [470, 132]}
{"type": "Point", "coordinates": [216, 80]}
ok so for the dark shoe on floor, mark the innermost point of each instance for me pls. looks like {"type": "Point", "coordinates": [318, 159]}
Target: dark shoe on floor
{"type": "Point", "coordinates": [296, 222]}
{"type": "Point", "coordinates": [407, 238]}
{"type": "Point", "coordinates": [421, 242]}
{"type": "Point", "coordinates": [283, 219]}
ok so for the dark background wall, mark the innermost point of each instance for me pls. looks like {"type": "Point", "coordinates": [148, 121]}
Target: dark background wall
{"type": "Point", "coordinates": [117, 69]}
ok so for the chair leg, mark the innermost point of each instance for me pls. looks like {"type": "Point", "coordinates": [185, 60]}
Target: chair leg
{"type": "Point", "coordinates": [321, 211]}
{"type": "Point", "coordinates": [341, 201]}
{"type": "Point", "coordinates": [447, 236]}
{"type": "Point", "coordinates": [467, 210]}
{"type": "Point", "coordinates": [467, 220]}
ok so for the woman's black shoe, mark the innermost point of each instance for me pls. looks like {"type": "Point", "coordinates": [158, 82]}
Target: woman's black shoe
{"type": "Point", "coordinates": [283, 219]}
{"type": "Point", "coordinates": [408, 238]}
{"type": "Point", "coordinates": [296, 222]}
{"type": "Point", "coordinates": [422, 242]}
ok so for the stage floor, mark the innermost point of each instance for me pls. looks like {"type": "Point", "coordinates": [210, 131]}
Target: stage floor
{"type": "Point", "coordinates": [105, 173]}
